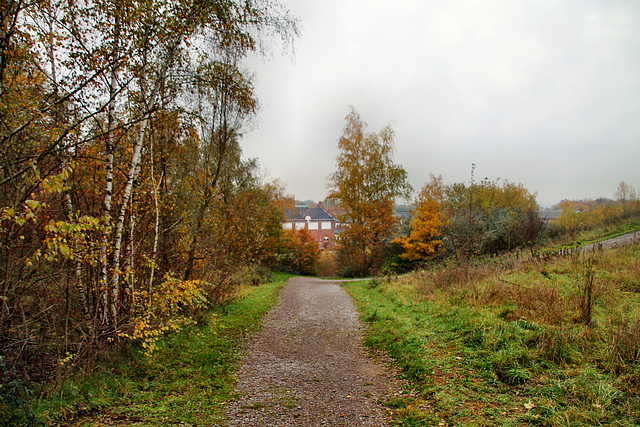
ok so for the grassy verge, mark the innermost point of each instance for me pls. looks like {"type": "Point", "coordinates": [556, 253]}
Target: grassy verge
{"type": "Point", "coordinates": [187, 381]}
{"type": "Point", "coordinates": [486, 346]}
{"type": "Point", "coordinates": [588, 237]}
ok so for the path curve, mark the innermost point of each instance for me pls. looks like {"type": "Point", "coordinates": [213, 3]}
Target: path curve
{"type": "Point", "coordinates": [625, 239]}
{"type": "Point", "coordinates": [307, 366]}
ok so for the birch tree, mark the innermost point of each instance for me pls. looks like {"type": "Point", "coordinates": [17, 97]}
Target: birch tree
{"type": "Point", "coordinates": [83, 85]}
{"type": "Point", "coordinates": [366, 184]}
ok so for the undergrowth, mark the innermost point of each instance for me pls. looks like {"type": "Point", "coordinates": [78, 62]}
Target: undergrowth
{"type": "Point", "coordinates": [186, 381]}
{"type": "Point", "coordinates": [553, 342]}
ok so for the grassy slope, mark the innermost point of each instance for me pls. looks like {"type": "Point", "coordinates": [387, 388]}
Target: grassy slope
{"type": "Point", "coordinates": [599, 234]}
{"type": "Point", "coordinates": [507, 347]}
{"type": "Point", "coordinates": [186, 382]}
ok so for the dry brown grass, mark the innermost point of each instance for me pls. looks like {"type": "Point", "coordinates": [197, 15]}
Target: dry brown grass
{"type": "Point", "coordinates": [562, 290]}
{"type": "Point", "coordinates": [541, 303]}
{"type": "Point", "coordinates": [454, 277]}
{"type": "Point", "coordinates": [624, 341]}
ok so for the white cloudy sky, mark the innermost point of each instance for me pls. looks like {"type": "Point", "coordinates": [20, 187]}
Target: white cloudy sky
{"type": "Point", "coordinates": [542, 92]}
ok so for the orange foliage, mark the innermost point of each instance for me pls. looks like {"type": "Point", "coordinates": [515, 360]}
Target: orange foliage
{"type": "Point", "coordinates": [303, 251]}
{"type": "Point", "coordinates": [426, 224]}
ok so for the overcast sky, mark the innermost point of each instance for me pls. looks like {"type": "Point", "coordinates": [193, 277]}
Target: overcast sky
{"type": "Point", "coordinates": [545, 93]}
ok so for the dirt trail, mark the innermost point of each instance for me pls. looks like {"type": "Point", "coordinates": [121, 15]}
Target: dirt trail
{"type": "Point", "coordinates": [307, 366]}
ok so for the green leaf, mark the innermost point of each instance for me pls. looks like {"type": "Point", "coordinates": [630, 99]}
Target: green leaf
{"type": "Point", "coordinates": [33, 204]}
{"type": "Point", "coordinates": [64, 250]}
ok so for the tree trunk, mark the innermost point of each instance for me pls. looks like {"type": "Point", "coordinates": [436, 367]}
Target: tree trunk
{"type": "Point", "coordinates": [156, 226]}
{"type": "Point", "coordinates": [194, 242]}
{"type": "Point", "coordinates": [132, 175]}
{"type": "Point", "coordinates": [103, 282]}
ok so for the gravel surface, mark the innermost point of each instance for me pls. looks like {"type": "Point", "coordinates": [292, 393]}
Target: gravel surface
{"type": "Point", "coordinates": [307, 367]}
{"type": "Point", "coordinates": [625, 239]}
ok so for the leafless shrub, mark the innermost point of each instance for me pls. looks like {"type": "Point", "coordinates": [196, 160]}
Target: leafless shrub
{"type": "Point", "coordinates": [585, 292]}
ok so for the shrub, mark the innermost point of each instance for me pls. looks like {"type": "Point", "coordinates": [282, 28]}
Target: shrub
{"type": "Point", "coordinates": [169, 307]}
{"type": "Point", "coordinates": [300, 254]}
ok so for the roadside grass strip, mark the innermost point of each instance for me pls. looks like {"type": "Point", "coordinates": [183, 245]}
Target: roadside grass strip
{"type": "Point", "coordinates": [512, 348]}
{"type": "Point", "coordinates": [187, 381]}
{"type": "Point", "coordinates": [600, 234]}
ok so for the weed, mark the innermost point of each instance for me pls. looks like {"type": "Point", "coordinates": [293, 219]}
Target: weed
{"type": "Point", "coordinates": [624, 339]}
{"type": "Point", "coordinates": [557, 344]}
{"type": "Point", "coordinates": [16, 406]}
{"type": "Point", "coordinates": [585, 292]}
{"type": "Point", "coordinates": [374, 283]}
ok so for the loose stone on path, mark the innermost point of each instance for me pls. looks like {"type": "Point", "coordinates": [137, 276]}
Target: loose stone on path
{"type": "Point", "coordinates": [307, 366]}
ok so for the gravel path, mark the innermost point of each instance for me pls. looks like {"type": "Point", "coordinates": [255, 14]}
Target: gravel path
{"type": "Point", "coordinates": [625, 239]}
{"type": "Point", "coordinates": [307, 366]}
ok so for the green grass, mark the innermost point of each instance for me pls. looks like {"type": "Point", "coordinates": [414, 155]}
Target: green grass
{"type": "Point", "coordinates": [187, 381]}
{"type": "Point", "coordinates": [508, 348]}
{"type": "Point", "coordinates": [599, 234]}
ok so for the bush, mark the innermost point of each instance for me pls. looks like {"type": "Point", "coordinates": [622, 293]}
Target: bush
{"type": "Point", "coordinates": [300, 253]}
{"type": "Point", "coordinates": [15, 400]}
{"type": "Point", "coordinates": [326, 265]}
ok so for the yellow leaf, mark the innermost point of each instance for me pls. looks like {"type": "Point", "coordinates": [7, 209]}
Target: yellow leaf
{"type": "Point", "coordinates": [33, 204]}
{"type": "Point", "coordinates": [64, 249]}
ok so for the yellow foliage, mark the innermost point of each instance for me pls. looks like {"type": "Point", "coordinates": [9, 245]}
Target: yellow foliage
{"type": "Point", "coordinates": [581, 214]}
{"type": "Point", "coordinates": [166, 310]}
{"type": "Point", "coordinates": [365, 184]}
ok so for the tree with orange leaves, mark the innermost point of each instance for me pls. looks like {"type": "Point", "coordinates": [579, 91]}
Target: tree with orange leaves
{"type": "Point", "coordinates": [301, 252]}
{"type": "Point", "coordinates": [426, 224]}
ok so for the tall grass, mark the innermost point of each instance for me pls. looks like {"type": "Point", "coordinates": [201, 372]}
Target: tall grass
{"type": "Point", "coordinates": [542, 342]}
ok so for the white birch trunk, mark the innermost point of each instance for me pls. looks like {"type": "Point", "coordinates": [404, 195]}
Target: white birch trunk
{"type": "Point", "coordinates": [103, 282]}
{"type": "Point", "coordinates": [156, 228]}
{"type": "Point", "coordinates": [135, 163]}
{"type": "Point", "coordinates": [103, 299]}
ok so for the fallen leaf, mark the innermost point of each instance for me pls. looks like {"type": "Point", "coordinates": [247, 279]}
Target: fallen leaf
{"type": "Point", "coordinates": [529, 405]}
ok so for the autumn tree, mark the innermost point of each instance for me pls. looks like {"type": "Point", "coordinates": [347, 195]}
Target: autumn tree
{"type": "Point", "coordinates": [300, 253]}
{"type": "Point", "coordinates": [366, 184]}
{"type": "Point", "coordinates": [225, 103]}
{"type": "Point", "coordinates": [109, 113]}
{"type": "Point", "coordinates": [578, 215]}
{"type": "Point", "coordinates": [489, 217]}
{"type": "Point", "coordinates": [426, 223]}
{"type": "Point", "coordinates": [627, 196]}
